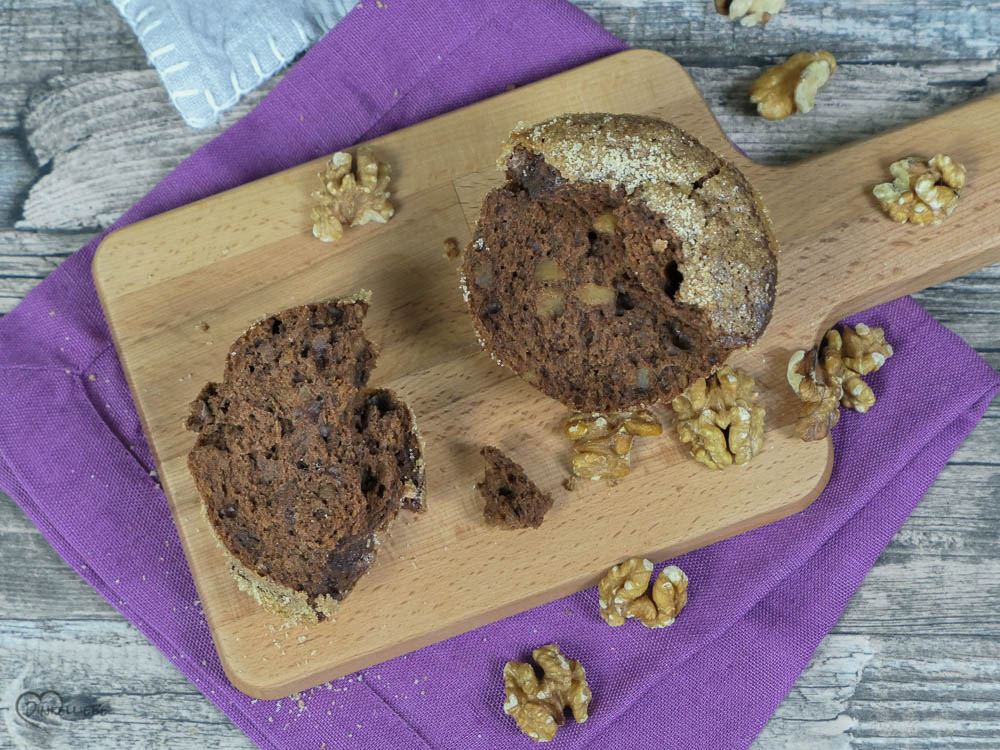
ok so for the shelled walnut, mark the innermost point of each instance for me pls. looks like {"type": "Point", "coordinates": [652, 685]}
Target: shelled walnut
{"type": "Point", "coordinates": [924, 191]}
{"type": "Point", "coordinates": [819, 392]}
{"type": "Point", "coordinates": [830, 377]}
{"type": "Point", "coordinates": [791, 86]}
{"type": "Point", "coordinates": [451, 249]}
{"type": "Point", "coordinates": [350, 198]}
{"type": "Point", "coordinates": [602, 444]}
{"type": "Point", "coordinates": [750, 12]}
{"type": "Point", "coordinates": [721, 418]}
{"type": "Point", "coordinates": [538, 706]}
{"type": "Point", "coordinates": [624, 594]}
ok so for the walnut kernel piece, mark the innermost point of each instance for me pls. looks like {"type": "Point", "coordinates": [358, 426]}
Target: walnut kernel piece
{"type": "Point", "coordinates": [596, 462]}
{"type": "Point", "coordinates": [549, 270]}
{"type": "Point", "coordinates": [721, 418]}
{"type": "Point", "coordinates": [923, 191]}
{"type": "Point", "coordinates": [791, 86]}
{"type": "Point", "coordinates": [750, 12]}
{"type": "Point", "coordinates": [624, 594]}
{"type": "Point", "coordinates": [595, 294]}
{"type": "Point", "coordinates": [451, 249]}
{"type": "Point", "coordinates": [669, 595]}
{"type": "Point", "coordinates": [828, 378]}
{"type": "Point", "coordinates": [351, 198]}
{"type": "Point", "coordinates": [606, 223]}
{"type": "Point", "coordinates": [602, 444]}
{"type": "Point", "coordinates": [820, 395]}
{"type": "Point", "coordinates": [550, 303]}
{"type": "Point", "coordinates": [865, 349]}
{"type": "Point", "coordinates": [538, 706]}
{"type": "Point", "coordinates": [620, 586]}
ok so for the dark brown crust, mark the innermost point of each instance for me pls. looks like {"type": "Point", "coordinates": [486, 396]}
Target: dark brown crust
{"type": "Point", "coordinates": [299, 464]}
{"type": "Point", "coordinates": [512, 500]}
{"type": "Point", "coordinates": [691, 260]}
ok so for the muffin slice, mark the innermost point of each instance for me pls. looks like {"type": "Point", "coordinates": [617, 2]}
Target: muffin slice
{"type": "Point", "coordinates": [299, 464]}
{"type": "Point", "coordinates": [512, 500]}
{"type": "Point", "coordinates": [620, 261]}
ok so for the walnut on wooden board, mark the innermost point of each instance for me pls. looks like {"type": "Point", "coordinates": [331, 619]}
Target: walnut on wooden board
{"type": "Point", "coordinates": [820, 395]}
{"type": "Point", "coordinates": [355, 191]}
{"type": "Point", "coordinates": [624, 593]}
{"type": "Point", "coordinates": [538, 705]}
{"type": "Point", "coordinates": [602, 444]}
{"type": "Point", "coordinates": [721, 418]}
{"type": "Point", "coordinates": [750, 12]}
{"type": "Point", "coordinates": [792, 86]}
{"type": "Point", "coordinates": [451, 249]}
{"type": "Point", "coordinates": [923, 191]}
{"type": "Point", "coordinates": [830, 377]}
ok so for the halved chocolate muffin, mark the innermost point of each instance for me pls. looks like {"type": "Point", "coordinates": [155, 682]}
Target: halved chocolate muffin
{"type": "Point", "coordinates": [620, 260]}
{"type": "Point", "coordinates": [301, 466]}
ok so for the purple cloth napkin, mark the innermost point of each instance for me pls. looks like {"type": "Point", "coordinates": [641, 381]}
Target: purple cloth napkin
{"type": "Point", "coordinates": [73, 456]}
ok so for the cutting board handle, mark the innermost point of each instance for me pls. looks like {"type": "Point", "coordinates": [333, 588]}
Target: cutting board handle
{"type": "Point", "coordinates": [840, 254]}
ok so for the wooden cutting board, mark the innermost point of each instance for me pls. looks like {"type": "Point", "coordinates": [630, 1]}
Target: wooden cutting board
{"type": "Point", "coordinates": [231, 259]}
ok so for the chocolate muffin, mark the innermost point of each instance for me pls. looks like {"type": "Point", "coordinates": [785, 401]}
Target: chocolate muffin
{"type": "Point", "coordinates": [299, 464]}
{"type": "Point", "coordinates": [512, 500]}
{"type": "Point", "coordinates": [620, 260]}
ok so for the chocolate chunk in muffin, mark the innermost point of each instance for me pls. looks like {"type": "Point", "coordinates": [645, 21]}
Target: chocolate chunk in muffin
{"type": "Point", "coordinates": [620, 261]}
{"type": "Point", "coordinates": [299, 464]}
{"type": "Point", "coordinates": [512, 500]}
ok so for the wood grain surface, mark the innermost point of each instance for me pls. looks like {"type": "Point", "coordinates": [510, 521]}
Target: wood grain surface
{"type": "Point", "coordinates": [912, 662]}
{"type": "Point", "coordinates": [238, 256]}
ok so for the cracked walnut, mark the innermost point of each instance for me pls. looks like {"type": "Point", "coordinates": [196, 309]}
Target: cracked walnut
{"type": "Point", "coordinates": [721, 418]}
{"type": "Point", "coordinates": [750, 12]}
{"type": "Point", "coordinates": [602, 445]}
{"type": "Point", "coordinates": [923, 191]}
{"type": "Point", "coordinates": [350, 198]}
{"type": "Point", "coordinates": [829, 377]}
{"type": "Point", "coordinates": [792, 86]}
{"type": "Point", "coordinates": [538, 706]}
{"type": "Point", "coordinates": [624, 593]}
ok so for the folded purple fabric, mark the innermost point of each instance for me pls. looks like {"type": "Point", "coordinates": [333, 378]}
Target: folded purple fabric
{"type": "Point", "coordinates": [73, 456]}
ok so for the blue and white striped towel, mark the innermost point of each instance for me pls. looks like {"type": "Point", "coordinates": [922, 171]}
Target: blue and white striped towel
{"type": "Point", "coordinates": [209, 53]}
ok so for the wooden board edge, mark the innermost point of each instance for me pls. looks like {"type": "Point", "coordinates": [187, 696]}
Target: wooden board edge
{"type": "Point", "coordinates": [168, 499]}
{"type": "Point", "coordinates": [106, 253]}
{"type": "Point", "coordinates": [278, 688]}
{"type": "Point", "coordinates": [112, 242]}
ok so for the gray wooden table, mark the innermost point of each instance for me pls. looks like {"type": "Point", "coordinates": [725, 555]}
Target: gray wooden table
{"type": "Point", "coordinates": [85, 130]}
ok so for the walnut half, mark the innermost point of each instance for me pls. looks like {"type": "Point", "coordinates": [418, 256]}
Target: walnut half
{"type": "Point", "coordinates": [830, 377]}
{"type": "Point", "coordinates": [923, 191]}
{"type": "Point", "coordinates": [351, 197]}
{"type": "Point", "coordinates": [538, 706]}
{"type": "Point", "coordinates": [791, 86]}
{"type": "Point", "coordinates": [721, 418]}
{"type": "Point", "coordinates": [750, 12]}
{"type": "Point", "coordinates": [624, 594]}
{"type": "Point", "coordinates": [602, 445]}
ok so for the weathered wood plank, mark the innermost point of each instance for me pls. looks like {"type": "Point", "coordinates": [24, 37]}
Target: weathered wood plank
{"type": "Point", "coordinates": [16, 175]}
{"type": "Point", "coordinates": [859, 691]}
{"type": "Point", "coordinates": [875, 31]}
{"type": "Point", "coordinates": [31, 267]}
{"type": "Point", "coordinates": [150, 703]}
{"type": "Point", "coordinates": [39, 586]}
{"type": "Point", "coordinates": [862, 692]}
{"type": "Point", "coordinates": [108, 140]}
{"type": "Point", "coordinates": [42, 38]}
{"type": "Point", "coordinates": [41, 244]}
